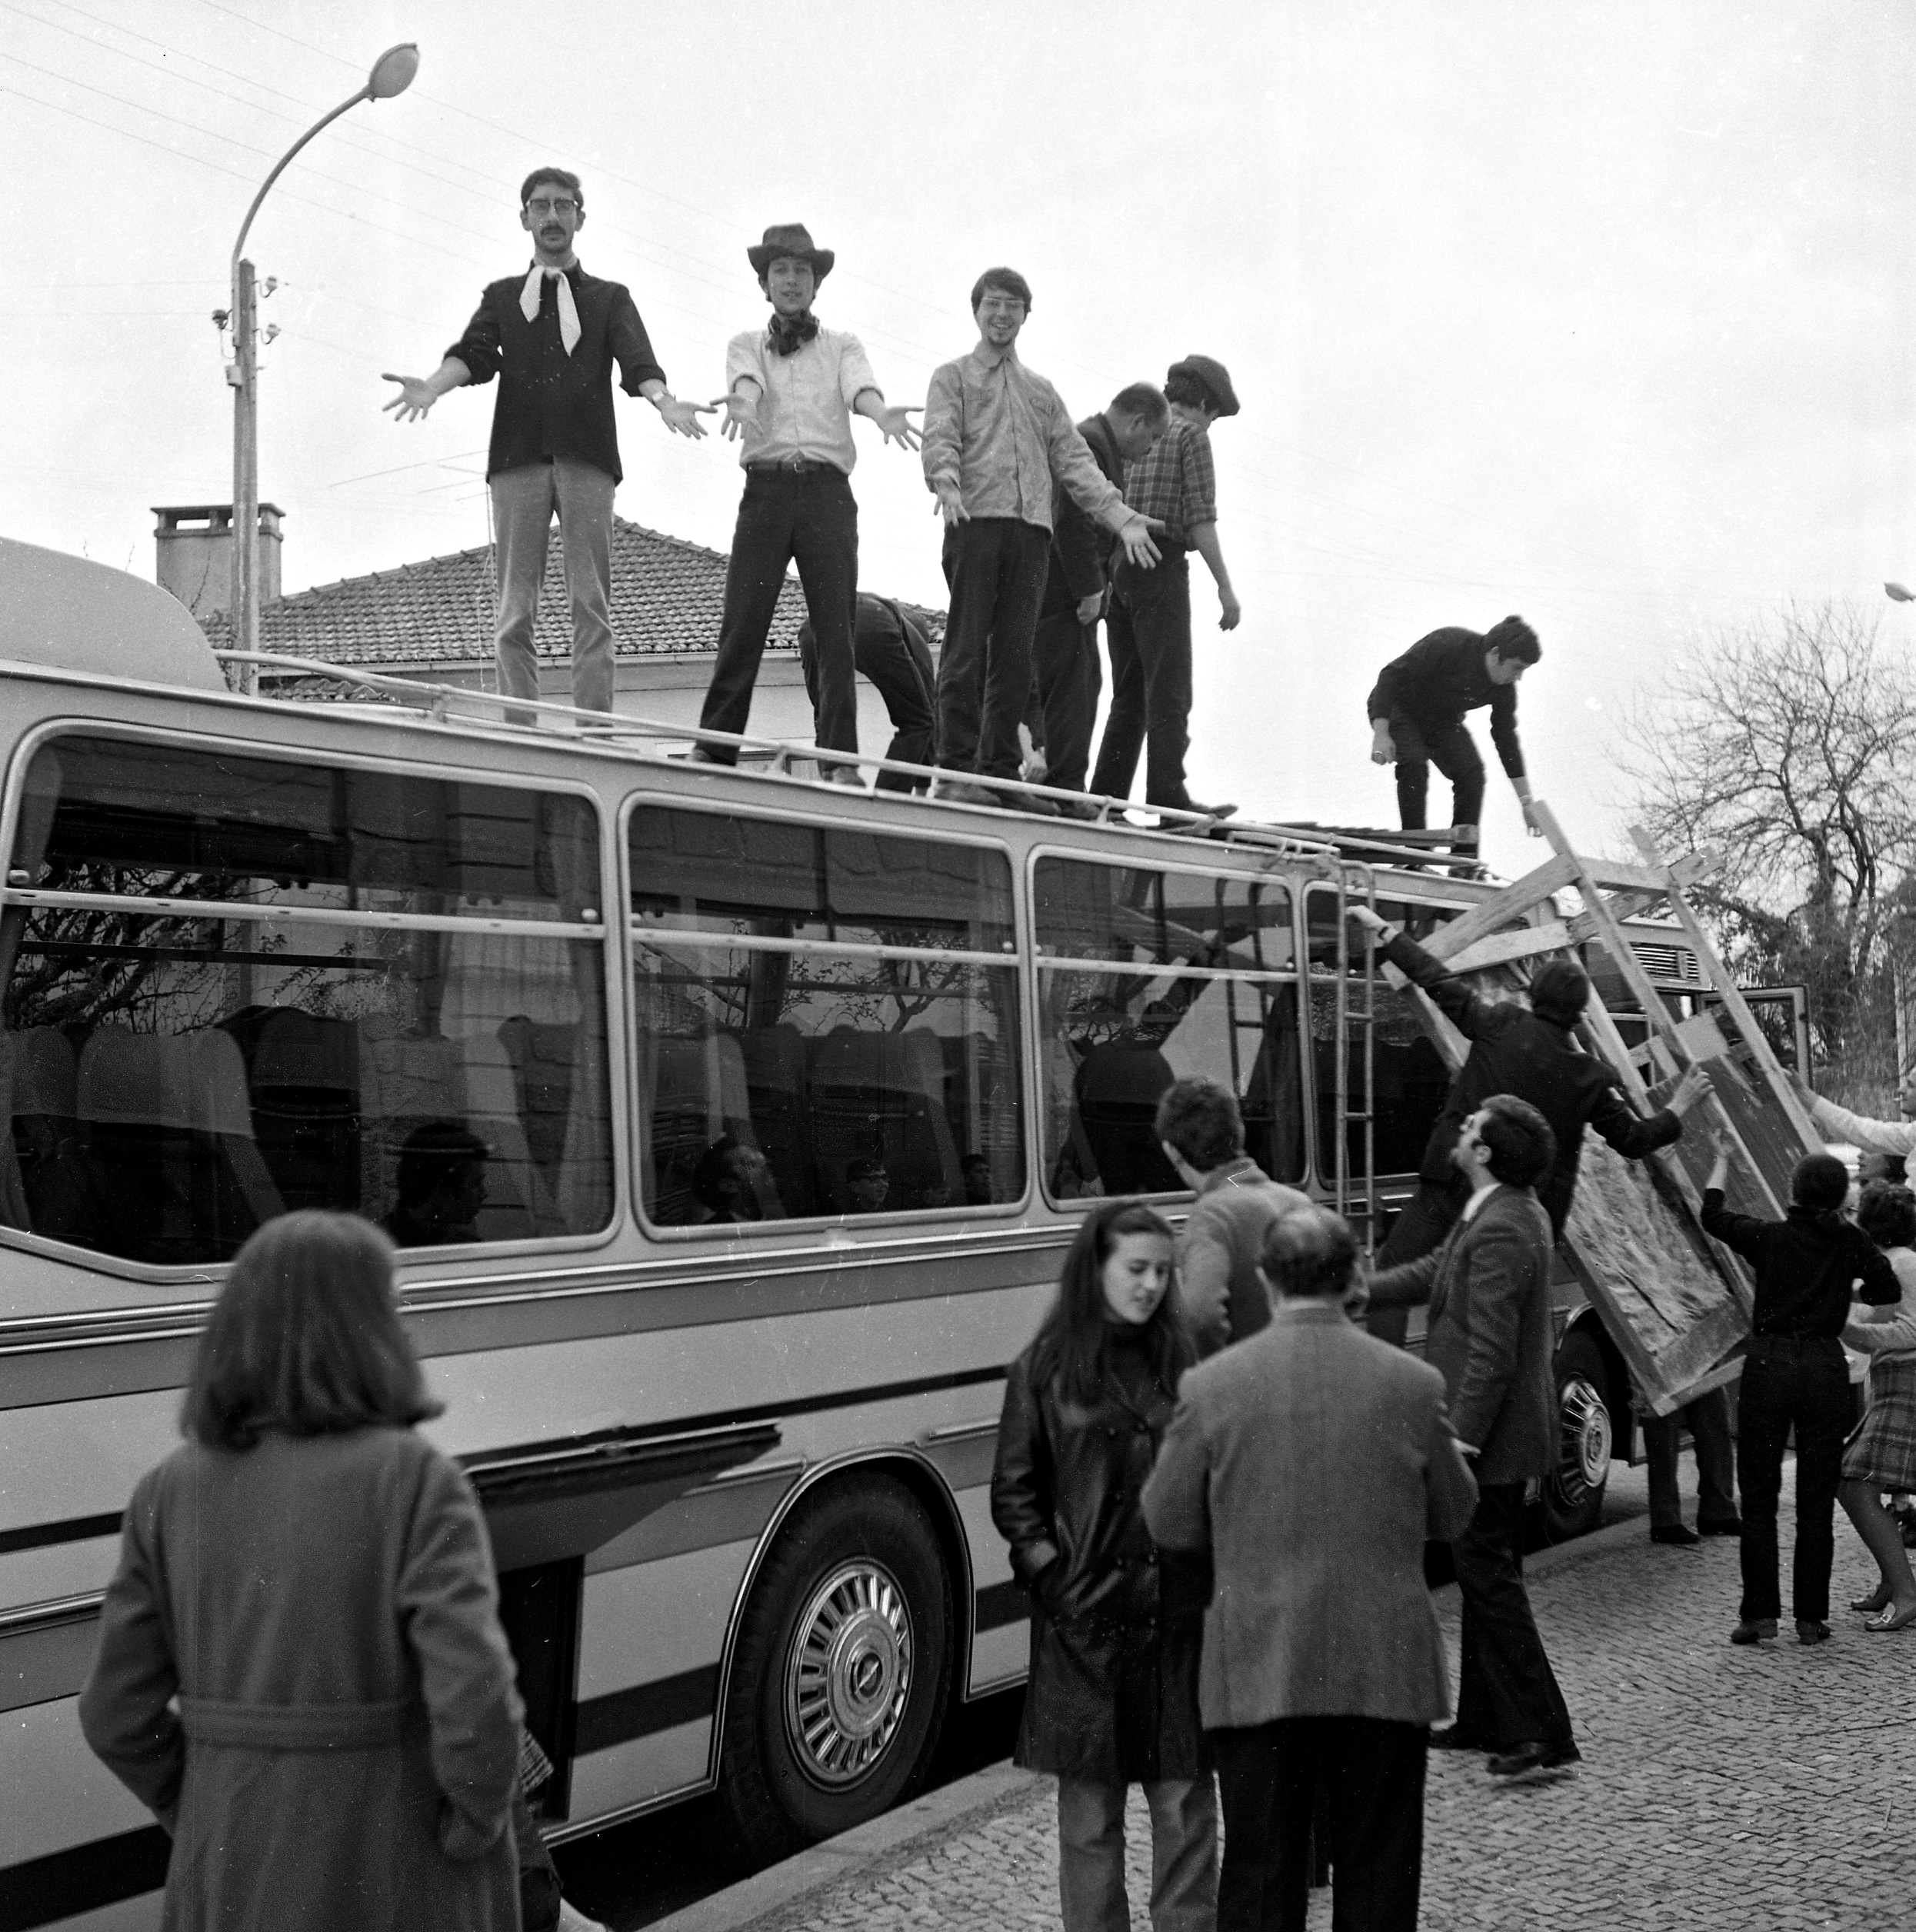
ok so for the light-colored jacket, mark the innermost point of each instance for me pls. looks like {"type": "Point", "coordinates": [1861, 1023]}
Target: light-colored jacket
{"type": "Point", "coordinates": [345, 1745]}
{"type": "Point", "coordinates": [1490, 1337]}
{"type": "Point", "coordinates": [1223, 1295]}
{"type": "Point", "coordinates": [1313, 1461]}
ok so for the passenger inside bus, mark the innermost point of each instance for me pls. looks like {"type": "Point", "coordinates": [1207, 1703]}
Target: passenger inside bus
{"type": "Point", "coordinates": [733, 1183]}
{"type": "Point", "coordinates": [440, 1185]}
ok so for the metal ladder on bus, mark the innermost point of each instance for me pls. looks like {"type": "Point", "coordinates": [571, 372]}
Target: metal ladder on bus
{"type": "Point", "coordinates": [1355, 880]}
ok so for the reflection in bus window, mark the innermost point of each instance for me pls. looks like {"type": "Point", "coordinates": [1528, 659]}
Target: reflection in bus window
{"type": "Point", "coordinates": [176, 1077]}
{"type": "Point", "coordinates": [827, 1022]}
{"type": "Point", "coordinates": [1197, 981]}
{"type": "Point", "coordinates": [1410, 1078]}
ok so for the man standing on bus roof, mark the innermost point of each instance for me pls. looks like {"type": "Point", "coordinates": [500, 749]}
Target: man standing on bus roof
{"type": "Point", "coordinates": [1065, 672]}
{"type": "Point", "coordinates": [997, 437]}
{"type": "Point", "coordinates": [1149, 630]}
{"type": "Point", "coordinates": [792, 390]}
{"type": "Point", "coordinates": [552, 336]}
{"type": "Point", "coordinates": [1417, 709]}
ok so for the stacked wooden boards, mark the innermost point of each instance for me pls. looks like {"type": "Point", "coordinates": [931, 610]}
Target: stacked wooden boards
{"type": "Point", "coordinates": [1676, 1303]}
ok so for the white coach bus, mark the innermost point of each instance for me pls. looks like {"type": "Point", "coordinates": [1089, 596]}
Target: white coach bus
{"type": "Point", "coordinates": [732, 1127]}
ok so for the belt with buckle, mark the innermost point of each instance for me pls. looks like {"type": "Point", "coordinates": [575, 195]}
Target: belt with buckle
{"type": "Point", "coordinates": [791, 465]}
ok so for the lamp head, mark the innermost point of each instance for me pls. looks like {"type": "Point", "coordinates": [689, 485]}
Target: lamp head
{"type": "Point", "coordinates": [392, 72]}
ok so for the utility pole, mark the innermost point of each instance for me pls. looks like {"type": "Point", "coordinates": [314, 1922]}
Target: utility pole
{"type": "Point", "coordinates": [244, 376]}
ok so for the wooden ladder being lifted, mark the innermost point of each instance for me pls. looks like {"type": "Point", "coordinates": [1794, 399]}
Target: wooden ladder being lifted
{"type": "Point", "coordinates": [1676, 1303]}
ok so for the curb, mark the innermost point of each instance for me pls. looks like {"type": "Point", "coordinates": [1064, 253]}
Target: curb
{"type": "Point", "coordinates": [900, 1833]}
{"type": "Point", "coordinates": [854, 1854]}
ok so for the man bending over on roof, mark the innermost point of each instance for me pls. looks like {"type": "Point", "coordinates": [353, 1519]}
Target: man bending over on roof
{"type": "Point", "coordinates": [791, 389]}
{"type": "Point", "coordinates": [893, 655]}
{"type": "Point", "coordinates": [1417, 710]}
{"type": "Point", "coordinates": [552, 336]}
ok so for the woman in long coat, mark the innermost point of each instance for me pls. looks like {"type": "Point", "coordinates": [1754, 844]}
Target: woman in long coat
{"type": "Point", "coordinates": [311, 1580]}
{"type": "Point", "coordinates": [1116, 1624]}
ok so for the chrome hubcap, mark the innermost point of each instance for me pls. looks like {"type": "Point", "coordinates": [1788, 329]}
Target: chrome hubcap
{"type": "Point", "coordinates": [849, 1673]}
{"type": "Point", "coordinates": [1583, 1464]}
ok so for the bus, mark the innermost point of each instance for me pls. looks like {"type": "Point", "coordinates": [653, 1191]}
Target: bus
{"type": "Point", "coordinates": [731, 1129]}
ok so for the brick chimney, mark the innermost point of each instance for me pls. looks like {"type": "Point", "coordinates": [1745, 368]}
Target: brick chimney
{"type": "Point", "coordinates": [194, 542]}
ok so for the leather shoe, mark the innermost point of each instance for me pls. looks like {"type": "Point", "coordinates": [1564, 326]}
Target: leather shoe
{"type": "Point", "coordinates": [1754, 1629]}
{"type": "Point", "coordinates": [1524, 1760]}
{"type": "Point", "coordinates": [1878, 1599]}
{"type": "Point", "coordinates": [1448, 1738]}
{"type": "Point", "coordinates": [1892, 1619]}
{"type": "Point", "coordinates": [1675, 1533]}
{"type": "Point", "coordinates": [1730, 1526]}
{"type": "Point", "coordinates": [1809, 1631]}
{"type": "Point", "coordinates": [962, 791]}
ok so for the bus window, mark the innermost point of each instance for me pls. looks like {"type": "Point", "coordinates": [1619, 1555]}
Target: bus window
{"type": "Point", "coordinates": [1409, 1079]}
{"type": "Point", "coordinates": [1146, 976]}
{"type": "Point", "coordinates": [827, 1020]}
{"type": "Point", "coordinates": [314, 1018]}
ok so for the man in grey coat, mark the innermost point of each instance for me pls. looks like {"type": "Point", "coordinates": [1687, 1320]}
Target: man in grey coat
{"type": "Point", "coordinates": [1201, 1131]}
{"type": "Point", "coordinates": [1488, 1288]}
{"type": "Point", "coordinates": [1311, 1462]}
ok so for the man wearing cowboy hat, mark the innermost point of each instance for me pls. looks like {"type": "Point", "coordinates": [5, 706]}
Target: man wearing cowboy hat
{"type": "Point", "coordinates": [551, 336]}
{"type": "Point", "coordinates": [792, 390]}
{"type": "Point", "coordinates": [1148, 626]}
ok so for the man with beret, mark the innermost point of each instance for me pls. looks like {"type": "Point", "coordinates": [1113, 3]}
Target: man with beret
{"type": "Point", "coordinates": [1148, 629]}
{"type": "Point", "coordinates": [894, 655]}
{"type": "Point", "coordinates": [1065, 673]}
{"type": "Point", "coordinates": [792, 390]}
{"type": "Point", "coordinates": [997, 439]}
{"type": "Point", "coordinates": [552, 336]}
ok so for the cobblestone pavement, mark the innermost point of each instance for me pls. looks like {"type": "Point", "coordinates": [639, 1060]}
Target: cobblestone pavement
{"type": "Point", "coordinates": [1760, 1789]}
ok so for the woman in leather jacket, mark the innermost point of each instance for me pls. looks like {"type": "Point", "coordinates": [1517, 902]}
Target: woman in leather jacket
{"type": "Point", "coordinates": [1116, 1624]}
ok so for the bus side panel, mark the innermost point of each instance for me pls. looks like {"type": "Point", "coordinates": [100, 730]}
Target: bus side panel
{"type": "Point", "coordinates": [1000, 1641]}
{"type": "Point", "coordinates": [59, 1794]}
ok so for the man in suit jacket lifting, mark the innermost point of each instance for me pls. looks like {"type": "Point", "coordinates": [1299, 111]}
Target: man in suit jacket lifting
{"type": "Point", "coordinates": [1488, 1288]}
{"type": "Point", "coordinates": [1312, 1461]}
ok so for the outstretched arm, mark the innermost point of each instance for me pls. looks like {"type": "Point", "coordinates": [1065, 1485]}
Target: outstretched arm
{"type": "Point", "coordinates": [896, 423]}
{"type": "Point", "coordinates": [418, 394]}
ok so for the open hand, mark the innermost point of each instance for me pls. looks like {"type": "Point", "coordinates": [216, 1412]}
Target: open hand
{"type": "Point", "coordinates": [681, 418]}
{"type": "Point", "coordinates": [897, 425]}
{"type": "Point", "coordinates": [1134, 534]}
{"type": "Point", "coordinates": [416, 396]}
{"type": "Point", "coordinates": [1229, 609]}
{"type": "Point", "coordinates": [951, 504]}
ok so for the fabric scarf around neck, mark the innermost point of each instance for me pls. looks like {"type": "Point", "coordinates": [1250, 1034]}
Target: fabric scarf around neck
{"type": "Point", "coordinates": [787, 335]}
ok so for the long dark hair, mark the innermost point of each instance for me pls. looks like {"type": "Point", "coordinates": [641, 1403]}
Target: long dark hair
{"type": "Point", "coordinates": [305, 1338]}
{"type": "Point", "coordinates": [1071, 1345]}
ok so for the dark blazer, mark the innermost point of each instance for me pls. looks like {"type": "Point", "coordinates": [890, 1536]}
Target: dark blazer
{"type": "Point", "coordinates": [301, 1671]}
{"type": "Point", "coordinates": [551, 403]}
{"type": "Point", "coordinates": [1312, 1462]}
{"type": "Point", "coordinates": [1513, 1051]}
{"type": "Point", "coordinates": [1081, 546]}
{"type": "Point", "coordinates": [1488, 1288]}
{"type": "Point", "coordinates": [1115, 1627]}
{"type": "Point", "coordinates": [1436, 680]}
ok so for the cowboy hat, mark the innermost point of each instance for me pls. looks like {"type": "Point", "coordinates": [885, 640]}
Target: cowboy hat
{"type": "Point", "coordinates": [791, 238]}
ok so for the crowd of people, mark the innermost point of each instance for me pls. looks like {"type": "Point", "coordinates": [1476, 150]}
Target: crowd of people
{"type": "Point", "coordinates": [1050, 527]}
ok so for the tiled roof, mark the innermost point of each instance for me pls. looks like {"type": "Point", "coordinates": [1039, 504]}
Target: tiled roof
{"type": "Point", "coordinates": [667, 597]}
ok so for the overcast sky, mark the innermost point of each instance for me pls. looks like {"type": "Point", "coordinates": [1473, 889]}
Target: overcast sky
{"type": "Point", "coordinates": [1599, 313]}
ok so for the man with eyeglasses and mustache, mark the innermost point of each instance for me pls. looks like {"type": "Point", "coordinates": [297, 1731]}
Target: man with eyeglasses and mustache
{"type": "Point", "coordinates": [552, 336]}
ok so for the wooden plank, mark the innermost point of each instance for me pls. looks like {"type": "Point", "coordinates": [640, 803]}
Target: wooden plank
{"type": "Point", "coordinates": [1504, 907]}
{"type": "Point", "coordinates": [1656, 877]}
{"type": "Point", "coordinates": [1505, 948]}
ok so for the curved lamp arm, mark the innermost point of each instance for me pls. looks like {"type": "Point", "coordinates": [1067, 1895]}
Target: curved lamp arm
{"type": "Point", "coordinates": [392, 74]}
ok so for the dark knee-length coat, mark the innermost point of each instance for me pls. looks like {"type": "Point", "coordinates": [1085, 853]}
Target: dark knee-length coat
{"type": "Point", "coordinates": [345, 1747]}
{"type": "Point", "coordinates": [1117, 1625]}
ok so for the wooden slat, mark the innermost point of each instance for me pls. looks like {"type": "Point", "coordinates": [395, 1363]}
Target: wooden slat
{"type": "Point", "coordinates": [1505, 907]}
{"type": "Point", "coordinates": [1504, 948]}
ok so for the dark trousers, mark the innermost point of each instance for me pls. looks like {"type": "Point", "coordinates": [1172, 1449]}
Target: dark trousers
{"type": "Point", "coordinates": [1148, 632]}
{"type": "Point", "coordinates": [1507, 1693]}
{"type": "Point", "coordinates": [809, 515]}
{"type": "Point", "coordinates": [1708, 1420]}
{"type": "Point", "coordinates": [1452, 750]}
{"type": "Point", "coordinates": [995, 567]}
{"type": "Point", "coordinates": [1803, 1384]}
{"type": "Point", "coordinates": [1268, 1777]}
{"type": "Point", "coordinates": [899, 668]}
{"type": "Point", "coordinates": [1427, 1217]}
{"type": "Point", "coordinates": [1066, 677]}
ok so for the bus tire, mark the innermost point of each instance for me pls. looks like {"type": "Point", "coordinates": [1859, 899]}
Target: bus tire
{"type": "Point", "coordinates": [842, 1668]}
{"type": "Point", "coordinates": [1573, 1491]}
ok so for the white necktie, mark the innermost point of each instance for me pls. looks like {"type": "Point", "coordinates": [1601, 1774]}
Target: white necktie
{"type": "Point", "coordinates": [568, 309]}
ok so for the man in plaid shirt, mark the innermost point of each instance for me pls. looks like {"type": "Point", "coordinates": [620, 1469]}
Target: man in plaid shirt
{"type": "Point", "coordinates": [1149, 627]}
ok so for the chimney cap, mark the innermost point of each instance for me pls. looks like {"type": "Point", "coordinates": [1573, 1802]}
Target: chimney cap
{"type": "Point", "coordinates": [219, 514]}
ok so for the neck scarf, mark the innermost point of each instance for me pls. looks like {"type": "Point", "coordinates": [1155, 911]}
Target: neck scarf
{"type": "Point", "coordinates": [788, 334]}
{"type": "Point", "coordinates": [569, 330]}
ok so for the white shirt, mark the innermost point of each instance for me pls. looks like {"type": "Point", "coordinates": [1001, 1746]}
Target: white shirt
{"type": "Point", "coordinates": [804, 399]}
{"type": "Point", "coordinates": [1478, 1199]}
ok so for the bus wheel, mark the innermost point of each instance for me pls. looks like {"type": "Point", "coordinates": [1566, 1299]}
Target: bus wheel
{"type": "Point", "coordinates": [1573, 1491]}
{"type": "Point", "coordinates": [842, 1668]}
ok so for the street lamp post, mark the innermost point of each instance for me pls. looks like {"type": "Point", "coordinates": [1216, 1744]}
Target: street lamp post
{"type": "Point", "coordinates": [392, 73]}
